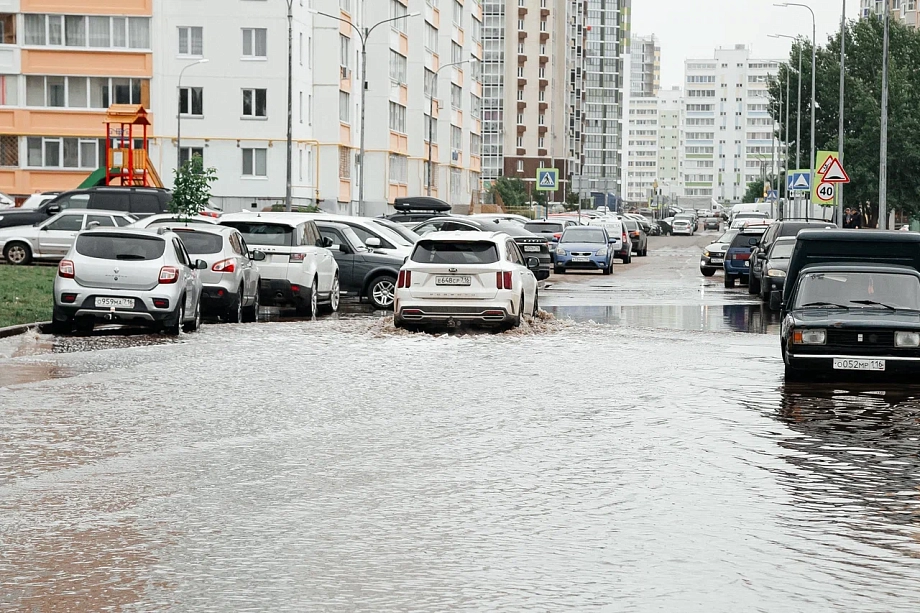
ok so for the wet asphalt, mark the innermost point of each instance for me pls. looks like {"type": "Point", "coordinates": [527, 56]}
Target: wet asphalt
{"type": "Point", "coordinates": [634, 449]}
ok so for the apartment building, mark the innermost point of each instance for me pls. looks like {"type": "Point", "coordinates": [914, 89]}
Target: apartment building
{"type": "Point", "coordinates": [642, 145]}
{"type": "Point", "coordinates": [645, 66]}
{"type": "Point", "coordinates": [670, 114]}
{"type": "Point", "coordinates": [728, 133]}
{"type": "Point", "coordinates": [907, 11]}
{"type": "Point", "coordinates": [61, 66]}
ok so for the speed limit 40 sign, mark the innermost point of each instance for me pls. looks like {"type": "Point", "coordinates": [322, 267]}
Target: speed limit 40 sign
{"type": "Point", "coordinates": [826, 192]}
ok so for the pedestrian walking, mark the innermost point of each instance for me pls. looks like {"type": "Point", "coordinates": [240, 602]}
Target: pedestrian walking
{"type": "Point", "coordinates": [848, 218]}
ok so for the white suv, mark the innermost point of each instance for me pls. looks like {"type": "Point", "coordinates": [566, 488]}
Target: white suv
{"type": "Point", "coordinates": [298, 269]}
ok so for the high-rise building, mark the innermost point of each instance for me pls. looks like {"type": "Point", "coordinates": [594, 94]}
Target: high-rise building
{"type": "Point", "coordinates": [907, 11]}
{"type": "Point", "coordinates": [642, 144]}
{"type": "Point", "coordinates": [608, 26]}
{"type": "Point", "coordinates": [645, 66]}
{"type": "Point", "coordinates": [728, 133]}
{"type": "Point", "coordinates": [670, 112]}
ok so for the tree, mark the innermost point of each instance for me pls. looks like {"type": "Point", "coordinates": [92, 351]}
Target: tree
{"type": "Point", "coordinates": [509, 192]}
{"type": "Point", "coordinates": [192, 187]}
{"type": "Point", "coordinates": [755, 189]}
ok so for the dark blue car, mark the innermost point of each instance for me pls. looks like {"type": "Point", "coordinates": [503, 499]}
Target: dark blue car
{"type": "Point", "coordinates": [585, 248]}
{"type": "Point", "coordinates": [738, 256]}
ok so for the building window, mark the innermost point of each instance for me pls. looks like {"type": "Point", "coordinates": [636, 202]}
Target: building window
{"type": "Point", "coordinates": [398, 66]}
{"type": "Point", "coordinates": [186, 153]}
{"type": "Point", "coordinates": [456, 138]}
{"type": "Point", "coordinates": [475, 144]}
{"type": "Point", "coordinates": [255, 162]}
{"type": "Point", "coordinates": [191, 41]}
{"type": "Point", "coordinates": [431, 128]}
{"type": "Point", "coordinates": [98, 32]}
{"type": "Point", "coordinates": [399, 169]}
{"type": "Point", "coordinates": [458, 14]}
{"type": "Point", "coordinates": [8, 29]}
{"type": "Point", "coordinates": [50, 152]}
{"type": "Point", "coordinates": [255, 103]}
{"type": "Point", "coordinates": [83, 92]}
{"type": "Point", "coordinates": [191, 101]}
{"type": "Point", "coordinates": [456, 52]}
{"type": "Point", "coordinates": [475, 106]}
{"type": "Point", "coordinates": [255, 43]}
{"type": "Point", "coordinates": [397, 117]}
{"type": "Point", "coordinates": [431, 84]}
{"type": "Point", "coordinates": [431, 38]}
{"type": "Point", "coordinates": [344, 51]}
{"type": "Point", "coordinates": [344, 163]}
{"type": "Point", "coordinates": [520, 163]}
{"type": "Point", "coordinates": [456, 96]}
{"type": "Point", "coordinates": [344, 107]}
{"type": "Point", "coordinates": [398, 12]}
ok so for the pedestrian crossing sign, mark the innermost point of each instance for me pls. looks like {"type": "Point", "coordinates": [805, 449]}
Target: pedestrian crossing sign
{"type": "Point", "coordinates": [547, 179]}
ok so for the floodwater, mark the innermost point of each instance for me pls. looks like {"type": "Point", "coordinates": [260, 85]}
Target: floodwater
{"type": "Point", "coordinates": [608, 458]}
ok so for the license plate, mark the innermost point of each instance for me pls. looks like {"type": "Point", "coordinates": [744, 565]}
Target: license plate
{"type": "Point", "coordinates": [118, 303]}
{"type": "Point", "coordinates": [454, 280]}
{"type": "Point", "coordinates": [532, 248]}
{"type": "Point", "coordinates": [581, 258]}
{"type": "Point", "coordinates": [717, 261]}
{"type": "Point", "coordinates": [850, 364]}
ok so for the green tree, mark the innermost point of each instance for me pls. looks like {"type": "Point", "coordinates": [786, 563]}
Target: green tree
{"type": "Point", "coordinates": [755, 189]}
{"type": "Point", "coordinates": [511, 191]}
{"type": "Point", "coordinates": [192, 187]}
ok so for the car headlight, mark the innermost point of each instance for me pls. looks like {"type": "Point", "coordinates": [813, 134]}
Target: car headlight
{"type": "Point", "coordinates": [706, 253]}
{"type": "Point", "coordinates": [776, 273]}
{"type": "Point", "coordinates": [809, 337]}
{"type": "Point", "coordinates": [601, 252]}
{"type": "Point", "coordinates": [907, 339]}
{"type": "Point", "coordinates": [560, 251]}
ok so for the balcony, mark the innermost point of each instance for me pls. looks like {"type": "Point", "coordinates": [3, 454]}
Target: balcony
{"type": "Point", "coordinates": [521, 105]}
{"type": "Point", "coordinates": [522, 12]}
{"type": "Point", "coordinates": [521, 82]}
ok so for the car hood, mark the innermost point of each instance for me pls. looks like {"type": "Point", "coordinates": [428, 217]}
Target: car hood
{"type": "Point", "coordinates": [855, 318]}
{"type": "Point", "coordinates": [582, 246]}
{"type": "Point", "coordinates": [717, 247]}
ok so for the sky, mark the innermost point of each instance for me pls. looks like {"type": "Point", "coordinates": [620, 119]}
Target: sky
{"type": "Point", "coordinates": [695, 28]}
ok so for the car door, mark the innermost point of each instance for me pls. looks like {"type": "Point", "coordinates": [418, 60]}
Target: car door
{"type": "Point", "coordinates": [189, 278]}
{"type": "Point", "coordinates": [243, 264]}
{"type": "Point", "coordinates": [528, 280]}
{"type": "Point", "coordinates": [56, 236]}
{"type": "Point", "coordinates": [252, 280]}
{"type": "Point", "coordinates": [344, 254]}
{"type": "Point", "coordinates": [325, 263]}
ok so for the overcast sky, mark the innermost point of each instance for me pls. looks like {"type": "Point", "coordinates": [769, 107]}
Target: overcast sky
{"type": "Point", "coordinates": [695, 28]}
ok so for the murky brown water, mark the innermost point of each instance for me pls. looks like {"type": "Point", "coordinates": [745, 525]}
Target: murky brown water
{"type": "Point", "coordinates": [640, 462]}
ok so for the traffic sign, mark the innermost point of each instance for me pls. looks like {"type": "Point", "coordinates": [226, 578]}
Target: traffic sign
{"type": "Point", "coordinates": [825, 192]}
{"type": "Point", "coordinates": [798, 180]}
{"type": "Point", "coordinates": [772, 195]}
{"type": "Point", "coordinates": [547, 179]}
{"type": "Point", "coordinates": [826, 162]}
{"type": "Point", "coordinates": [835, 172]}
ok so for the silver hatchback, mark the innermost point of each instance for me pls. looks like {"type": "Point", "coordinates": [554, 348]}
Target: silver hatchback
{"type": "Point", "coordinates": [128, 276]}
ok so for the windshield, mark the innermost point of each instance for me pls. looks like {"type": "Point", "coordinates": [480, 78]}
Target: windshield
{"type": "Point", "coordinates": [543, 227]}
{"type": "Point", "coordinates": [868, 290]}
{"type": "Point", "coordinates": [455, 252]}
{"type": "Point", "coordinates": [783, 250]}
{"type": "Point", "coordinates": [408, 235]}
{"type": "Point", "coordinates": [727, 237]}
{"type": "Point", "coordinates": [584, 235]}
{"type": "Point", "coordinates": [266, 234]}
{"type": "Point", "coordinates": [120, 246]}
{"type": "Point", "coordinates": [200, 243]}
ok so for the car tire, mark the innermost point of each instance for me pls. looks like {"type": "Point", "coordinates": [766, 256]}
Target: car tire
{"type": "Point", "coordinates": [775, 303]}
{"type": "Point", "coordinates": [308, 309]}
{"type": "Point", "coordinates": [559, 270]}
{"type": "Point", "coordinates": [61, 323]}
{"type": "Point", "coordinates": [753, 284]}
{"type": "Point", "coordinates": [765, 289]}
{"type": "Point", "coordinates": [234, 314]}
{"type": "Point", "coordinates": [628, 258]}
{"type": "Point", "coordinates": [251, 313]}
{"type": "Point", "coordinates": [381, 292]}
{"type": "Point", "coordinates": [335, 297]}
{"type": "Point", "coordinates": [18, 254]}
{"type": "Point", "coordinates": [173, 325]}
{"type": "Point", "coordinates": [84, 325]}
{"type": "Point", "coordinates": [542, 275]}
{"type": "Point", "coordinates": [793, 374]}
{"type": "Point", "coordinates": [516, 320]}
{"type": "Point", "coordinates": [608, 269]}
{"type": "Point", "coordinates": [536, 303]}
{"type": "Point", "coordinates": [195, 324]}
{"type": "Point", "coordinates": [729, 281]}
{"type": "Point", "coordinates": [708, 272]}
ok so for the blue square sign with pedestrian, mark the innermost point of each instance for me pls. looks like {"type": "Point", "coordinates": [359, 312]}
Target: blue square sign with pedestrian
{"type": "Point", "coordinates": [547, 179]}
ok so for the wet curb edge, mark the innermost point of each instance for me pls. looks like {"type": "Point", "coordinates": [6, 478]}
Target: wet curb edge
{"type": "Point", "coordinates": [23, 328]}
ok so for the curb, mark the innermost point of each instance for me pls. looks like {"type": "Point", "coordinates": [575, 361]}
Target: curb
{"type": "Point", "coordinates": [22, 329]}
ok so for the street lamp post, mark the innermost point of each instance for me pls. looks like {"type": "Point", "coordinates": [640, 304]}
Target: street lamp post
{"type": "Point", "coordinates": [811, 152]}
{"type": "Point", "coordinates": [179, 113]}
{"type": "Point", "coordinates": [363, 34]}
{"type": "Point", "coordinates": [434, 83]}
{"type": "Point", "coordinates": [883, 148]}
{"type": "Point", "coordinates": [798, 118]}
{"type": "Point", "coordinates": [843, 59]}
{"type": "Point", "coordinates": [288, 205]}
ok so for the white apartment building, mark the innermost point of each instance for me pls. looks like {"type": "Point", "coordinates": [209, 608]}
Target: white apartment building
{"type": "Point", "coordinates": [642, 142]}
{"type": "Point", "coordinates": [907, 11]}
{"type": "Point", "coordinates": [670, 112]}
{"type": "Point", "coordinates": [728, 133]}
{"type": "Point", "coordinates": [645, 66]}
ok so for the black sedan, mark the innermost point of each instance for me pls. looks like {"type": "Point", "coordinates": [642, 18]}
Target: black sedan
{"type": "Point", "coordinates": [362, 272]}
{"type": "Point", "coordinates": [531, 244]}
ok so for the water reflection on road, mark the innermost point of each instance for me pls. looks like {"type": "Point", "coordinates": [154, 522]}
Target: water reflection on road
{"type": "Point", "coordinates": [754, 318]}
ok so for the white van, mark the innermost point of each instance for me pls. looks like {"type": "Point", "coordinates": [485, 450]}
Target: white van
{"type": "Point", "coordinates": [614, 229]}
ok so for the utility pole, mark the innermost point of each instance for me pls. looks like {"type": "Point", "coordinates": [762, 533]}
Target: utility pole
{"type": "Point", "coordinates": [288, 204]}
{"type": "Point", "coordinates": [798, 126]}
{"type": "Point", "coordinates": [883, 147]}
{"type": "Point", "coordinates": [843, 59]}
{"type": "Point", "coordinates": [786, 150]}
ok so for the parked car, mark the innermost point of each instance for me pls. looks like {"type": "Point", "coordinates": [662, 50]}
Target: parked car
{"type": "Point", "coordinates": [298, 270]}
{"type": "Point", "coordinates": [684, 224]}
{"type": "Point", "coordinates": [738, 255]}
{"type": "Point", "coordinates": [37, 199]}
{"type": "Point", "coordinates": [589, 248]}
{"type": "Point", "coordinates": [230, 283]}
{"type": "Point", "coordinates": [655, 229]}
{"type": "Point", "coordinates": [775, 264]}
{"type": "Point", "coordinates": [637, 236]}
{"type": "Point", "coordinates": [712, 223]}
{"type": "Point", "coordinates": [665, 225]}
{"type": "Point", "coordinates": [742, 220]}
{"type": "Point", "coordinates": [551, 229]}
{"type": "Point", "coordinates": [713, 257]}
{"type": "Point", "coordinates": [372, 235]}
{"type": "Point", "coordinates": [413, 210]}
{"type": "Point", "coordinates": [128, 276]}
{"type": "Point", "coordinates": [466, 277]}
{"type": "Point", "coordinates": [776, 230]}
{"type": "Point", "coordinates": [503, 217]}
{"type": "Point", "coordinates": [642, 220]}
{"type": "Point", "coordinates": [136, 201]}
{"type": "Point", "coordinates": [172, 219]}
{"type": "Point", "coordinates": [531, 244]}
{"type": "Point", "coordinates": [616, 229]}
{"type": "Point", "coordinates": [364, 273]}
{"type": "Point", "coordinates": [51, 239]}
{"type": "Point", "coordinates": [408, 235]}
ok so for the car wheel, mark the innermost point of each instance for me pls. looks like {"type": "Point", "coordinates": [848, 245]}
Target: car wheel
{"type": "Point", "coordinates": [765, 290]}
{"type": "Point", "coordinates": [793, 374]}
{"type": "Point", "coordinates": [251, 313]}
{"type": "Point", "coordinates": [173, 326]}
{"type": "Point", "coordinates": [18, 254]}
{"type": "Point", "coordinates": [776, 301]}
{"type": "Point", "coordinates": [308, 309]}
{"type": "Point", "coordinates": [382, 292]}
{"type": "Point", "coordinates": [84, 325]}
{"type": "Point", "coordinates": [628, 258]}
{"type": "Point", "coordinates": [335, 297]}
{"type": "Point", "coordinates": [195, 324]}
{"type": "Point", "coordinates": [708, 272]}
{"type": "Point", "coordinates": [516, 319]}
{"type": "Point", "coordinates": [536, 303]}
{"type": "Point", "coordinates": [61, 323]}
{"type": "Point", "coordinates": [753, 284]}
{"type": "Point", "coordinates": [234, 314]}
{"type": "Point", "coordinates": [729, 281]}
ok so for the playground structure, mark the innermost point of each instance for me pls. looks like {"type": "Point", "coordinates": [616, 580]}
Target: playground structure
{"type": "Point", "coordinates": [126, 150]}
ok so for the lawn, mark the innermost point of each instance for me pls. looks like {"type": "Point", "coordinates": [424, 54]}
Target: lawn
{"type": "Point", "coordinates": [25, 294]}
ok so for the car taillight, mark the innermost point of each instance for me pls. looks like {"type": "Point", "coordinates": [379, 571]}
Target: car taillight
{"type": "Point", "coordinates": [224, 266]}
{"type": "Point", "coordinates": [624, 236]}
{"type": "Point", "coordinates": [503, 280]}
{"type": "Point", "coordinates": [169, 274]}
{"type": "Point", "coordinates": [296, 257]}
{"type": "Point", "coordinates": [557, 235]}
{"type": "Point", "coordinates": [66, 269]}
{"type": "Point", "coordinates": [404, 279]}
{"type": "Point", "coordinates": [161, 303]}
{"type": "Point", "coordinates": [68, 298]}
{"type": "Point", "coordinates": [209, 214]}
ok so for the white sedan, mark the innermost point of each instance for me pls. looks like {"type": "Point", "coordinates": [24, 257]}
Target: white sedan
{"type": "Point", "coordinates": [466, 277]}
{"type": "Point", "coordinates": [51, 239]}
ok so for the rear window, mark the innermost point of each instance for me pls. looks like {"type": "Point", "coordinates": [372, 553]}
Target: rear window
{"type": "Point", "coordinates": [455, 252]}
{"type": "Point", "coordinates": [537, 227]}
{"type": "Point", "coordinates": [201, 242]}
{"type": "Point", "coordinates": [745, 240]}
{"type": "Point", "coordinates": [630, 224]}
{"type": "Point", "coordinates": [120, 246]}
{"type": "Point", "coordinates": [267, 234]}
{"type": "Point", "coordinates": [782, 250]}
{"type": "Point", "coordinates": [791, 229]}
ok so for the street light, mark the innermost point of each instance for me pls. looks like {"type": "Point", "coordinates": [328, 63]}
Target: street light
{"type": "Point", "coordinates": [434, 83]}
{"type": "Point", "coordinates": [814, 36]}
{"type": "Point", "coordinates": [798, 118]}
{"type": "Point", "coordinates": [883, 148]}
{"type": "Point", "coordinates": [843, 60]}
{"type": "Point", "coordinates": [288, 204]}
{"type": "Point", "coordinates": [179, 113]}
{"type": "Point", "coordinates": [363, 34]}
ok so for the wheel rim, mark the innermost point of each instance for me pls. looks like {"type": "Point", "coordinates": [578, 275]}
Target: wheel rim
{"type": "Point", "coordinates": [313, 300]}
{"type": "Point", "coordinates": [536, 303]}
{"type": "Point", "coordinates": [334, 299]}
{"type": "Point", "coordinates": [198, 315]}
{"type": "Point", "coordinates": [181, 318]}
{"type": "Point", "coordinates": [255, 307]}
{"type": "Point", "coordinates": [16, 254]}
{"type": "Point", "coordinates": [383, 293]}
{"type": "Point", "coordinates": [239, 308]}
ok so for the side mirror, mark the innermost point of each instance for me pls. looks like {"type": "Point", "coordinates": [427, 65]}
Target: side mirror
{"type": "Point", "coordinates": [53, 209]}
{"type": "Point", "coordinates": [326, 242]}
{"type": "Point", "coordinates": [92, 225]}
{"type": "Point", "coordinates": [611, 239]}
{"type": "Point", "coordinates": [201, 265]}
{"type": "Point", "coordinates": [533, 263]}
{"type": "Point", "coordinates": [257, 256]}
{"type": "Point", "coordinates": [372, 242]}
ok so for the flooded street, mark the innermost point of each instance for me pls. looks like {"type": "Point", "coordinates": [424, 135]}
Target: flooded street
{"type": "Point", "coordinates": [635, 450]}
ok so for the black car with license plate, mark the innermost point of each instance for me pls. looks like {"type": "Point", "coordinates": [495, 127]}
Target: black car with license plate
{"type": "Point", "coordinates": [362, 272]}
